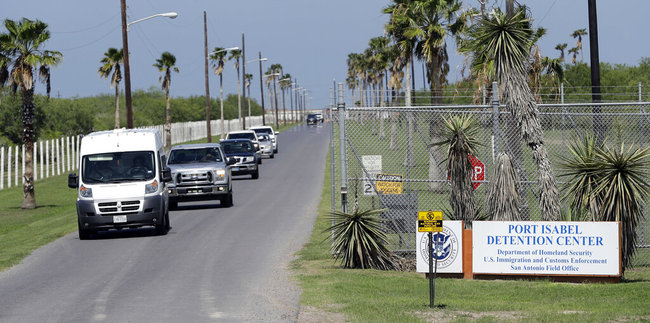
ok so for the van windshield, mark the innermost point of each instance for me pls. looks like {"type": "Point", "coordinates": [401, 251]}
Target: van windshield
{"type": "Point", "coordinates": [195, 155]}
{"type": "Point", "coordinates": [118, 167]}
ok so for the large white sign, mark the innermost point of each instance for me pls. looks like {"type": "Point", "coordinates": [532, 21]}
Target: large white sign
{"type": "Point", "coordinates": [372, 165]}
{"type": "Point", "coordinates": [546, 248]}
{"type": "Point", "coordinates": [450, 248]}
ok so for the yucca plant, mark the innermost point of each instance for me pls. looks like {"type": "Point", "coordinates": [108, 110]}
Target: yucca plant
{"type": "Point", "coordinates": [359, 240]}
{"type": "Point", "coordinates": [460, 135]}
{"type": "Point", "coordinates": [503, 191]}
{"type": "Point", "coordinates": [610, 185]}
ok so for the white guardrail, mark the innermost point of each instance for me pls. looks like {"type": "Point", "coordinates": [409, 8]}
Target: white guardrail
{"type": "Point", "coordinates": [54, 157]}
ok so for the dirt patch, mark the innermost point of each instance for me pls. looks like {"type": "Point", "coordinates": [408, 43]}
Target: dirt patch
{"type": "Point", "coordinates": [449, 316]}
{"type": "Point", "coordinates": [310, 314]}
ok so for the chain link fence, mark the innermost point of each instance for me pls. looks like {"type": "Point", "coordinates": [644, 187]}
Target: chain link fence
{"type": "Point", "coordinates": [388, 160]}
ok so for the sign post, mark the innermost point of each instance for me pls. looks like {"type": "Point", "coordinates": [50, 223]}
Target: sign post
{"type": "Point", "coordinates": [431, 221]}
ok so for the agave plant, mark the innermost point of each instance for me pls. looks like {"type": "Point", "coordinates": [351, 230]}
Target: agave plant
{"type": "Point", "coordinates": [359, 241]}
{"type": "Point", "coordinates": [460, 135]}
{"type": "Point", "coordinates": [609, 185]}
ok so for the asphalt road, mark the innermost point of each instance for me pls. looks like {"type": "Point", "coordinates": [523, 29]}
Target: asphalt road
{"type": "Point", "coordinates": [216, 264]}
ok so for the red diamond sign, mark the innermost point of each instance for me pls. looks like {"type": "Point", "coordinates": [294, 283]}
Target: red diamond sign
{"type": "Point", "coordinates": [478, 174]}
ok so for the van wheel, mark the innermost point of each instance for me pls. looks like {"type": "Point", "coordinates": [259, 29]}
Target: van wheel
{"type": "Point", "coordinates": [83, 234]}
{"type": "Point", "coordinates": [161, 229]}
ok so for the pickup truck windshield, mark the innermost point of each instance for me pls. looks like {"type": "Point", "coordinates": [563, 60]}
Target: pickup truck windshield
{"type": "Point", "coordinates": [195, 155]}
{"type": "Point", "coordinates": [237, 147]}
{"type": "Point", "coordinates": [118, 167]}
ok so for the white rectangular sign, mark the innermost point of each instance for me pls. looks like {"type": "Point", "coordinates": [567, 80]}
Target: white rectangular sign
{"type": "Point", "coordinates": [546, 248]}
{"type": "Point", "coordinates": [450, 250]}
{"type": "Point", "coordinates": [372, 165]}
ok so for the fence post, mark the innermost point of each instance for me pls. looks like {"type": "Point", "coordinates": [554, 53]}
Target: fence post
{"type": "Point", "coordinates": [332, 148]}
{"type": "Point", "coordinates": [9, 166]}
{"type": "Point", "coordinates": [35, 161]}
{"type": "Point", "coordinates": [342, 157]}
{"type": "Point", "coordinates": [2, 167]}
{"type": "Point", "coordinates": [40, 156]}
{"type": "Point", "coordinates": [640, 93]}
{"type": "Point", "coordinates": [496, 133]}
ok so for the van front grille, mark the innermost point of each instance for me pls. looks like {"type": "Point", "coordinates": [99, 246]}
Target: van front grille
{"type": "Point", "coordinates": [113, 208]}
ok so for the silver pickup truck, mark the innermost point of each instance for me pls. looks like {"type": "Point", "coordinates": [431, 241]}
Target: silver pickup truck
{"type": "Point", "coordinates": [199, 172]}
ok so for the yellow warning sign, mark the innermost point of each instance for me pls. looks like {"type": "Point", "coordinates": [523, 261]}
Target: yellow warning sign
{"type": "Point", "coordinates": [429, 221]}
{"type": "Point", "coordinates": [389, 183]}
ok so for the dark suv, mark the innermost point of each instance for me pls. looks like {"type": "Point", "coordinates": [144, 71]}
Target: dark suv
{"type": "Point", "coordinates": [245, 154]}
{"type": "Point", "coordinates": [312, 119]}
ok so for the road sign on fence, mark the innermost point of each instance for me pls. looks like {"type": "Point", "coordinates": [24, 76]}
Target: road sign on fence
{"type": "Point", "coordinates": [372, 165]}
{"type": "Point", "coordinates": [478, 173]}
{"type": "Point", "coordinates": [389, 183]}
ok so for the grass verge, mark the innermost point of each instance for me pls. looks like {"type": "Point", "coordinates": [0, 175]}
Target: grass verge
{"type": "Point", "coordinates": [389, 296]}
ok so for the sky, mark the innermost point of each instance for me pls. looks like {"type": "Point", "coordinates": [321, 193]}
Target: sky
{"type": "Point", "coordinates": [309, 38]}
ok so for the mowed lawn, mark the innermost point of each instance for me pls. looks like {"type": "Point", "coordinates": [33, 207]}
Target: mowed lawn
{"type": "Point", "coordinates": [333, 293]}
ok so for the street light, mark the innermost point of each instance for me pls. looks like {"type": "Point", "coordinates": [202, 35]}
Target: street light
{"type": "Point", "coordinates": [171, 15]}
{"type": "Point", "coordinates": [125, 47]}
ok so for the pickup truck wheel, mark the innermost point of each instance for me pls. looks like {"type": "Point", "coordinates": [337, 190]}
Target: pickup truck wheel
{"type": "Point", "coordinates": [173, 205]}
{"type": "Point", "coordinates": [275, 151]}
{"type": "Point", "coordinates": [226, 201]}
{"type": "Point", "coordinates": [259, 161]}
{"type": "Point", "coordinates": [256, 175]}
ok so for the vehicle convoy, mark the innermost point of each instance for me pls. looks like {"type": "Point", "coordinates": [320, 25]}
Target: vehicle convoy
{"type": "Point", "coordinates": [266, 146]}
{"type": "Point", "coordinates": [245, 155]}
{"type": "Point", "coordinates": [122, 181]}
{"type": "Point", "coordinates": [269, 131]}
{"type": "Point", "coordinates": [199, 172]}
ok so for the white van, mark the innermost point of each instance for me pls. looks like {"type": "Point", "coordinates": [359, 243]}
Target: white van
{"type": "Point", "coordinates": [122, 181]}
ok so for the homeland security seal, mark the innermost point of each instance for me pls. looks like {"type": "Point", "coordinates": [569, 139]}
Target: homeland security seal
{"type": "Point", "coordinates": [447, 247]}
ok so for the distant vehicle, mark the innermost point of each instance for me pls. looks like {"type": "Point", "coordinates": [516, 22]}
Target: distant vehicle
{"type": "Point", "coordinates": [122, 181]}
{"type": "Point", "coordinates": [245, 155]}
{"type": "Point", "coordinates": [268, 130]}
{"type": "Point", "coordinates": [266, 145]}
{"type": "Point", "coordinates": [246, 134]}
{"type": "Point", "coordinates": [319, 117]}
{"type": "Point", "coordinates": [199, 173]}
{"type": "Point", "coordinates": [312, 119]}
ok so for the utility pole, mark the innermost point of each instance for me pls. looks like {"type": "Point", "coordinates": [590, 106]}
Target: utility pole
{"type": "Point", "coordinates": [510, 8]}
{"type": "Point", "coordinates": [207, 83]}
{"type": "Point", "coordinates": [127, 71]}
{"type": "Point", "coordinates": [262, 91]}
{"type": "Point", "coordinates": [243, 79]}
{"type": "Point", "coordinates": [599, 127]}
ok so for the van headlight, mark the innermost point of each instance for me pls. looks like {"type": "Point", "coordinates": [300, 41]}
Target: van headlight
{"type": "Point", "coordinates": [86, 192]}
{"type": "Point", "coordinates": [151, 188]}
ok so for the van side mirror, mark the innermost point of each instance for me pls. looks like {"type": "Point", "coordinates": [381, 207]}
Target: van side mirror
{"type": "Point", "coordinates": [73, 180]}
{"type": "Point", "coordinates": [231, 161]}
{"type": "Point", "coordinates": [166, 175]}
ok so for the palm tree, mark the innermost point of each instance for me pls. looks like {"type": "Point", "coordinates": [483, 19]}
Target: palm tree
{"type": "Point", "coordinates": [167, 63]}
{"type": "Point", "coordinates": [248, 78]}
{"type": "Point", "coordinates": [285, 83]}
{"type": "Point", "coordinates": [218, 58]}
{"type": "Point", "coordinates": [577, 34]}
{"type": "Point", "coordinates": [111, 64]}
{"type": "Point", "coordinates": [574, 51]}
{"type": "Point", "coordinates": [561, 48]}
{"type": "Point", "coordinates": [460, 135]}
{"type": "Point", "coordinates": [236, 55]}
{"type": "Point", "coordinates": [505, 43]}
{"type": "Point", "coordinates": [609, 185]}
{"type": "Point", "coordinates": [275, 72]}
{"type": "Point", "coordinates": [20, 55]}
{"type": "Point", "coordinates": [427, 23]}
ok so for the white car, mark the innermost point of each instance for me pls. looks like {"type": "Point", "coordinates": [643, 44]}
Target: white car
{"type": "Point", "coordinates": [269, 131]}
{"type": "Point", "coordinates": [266, 145]}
